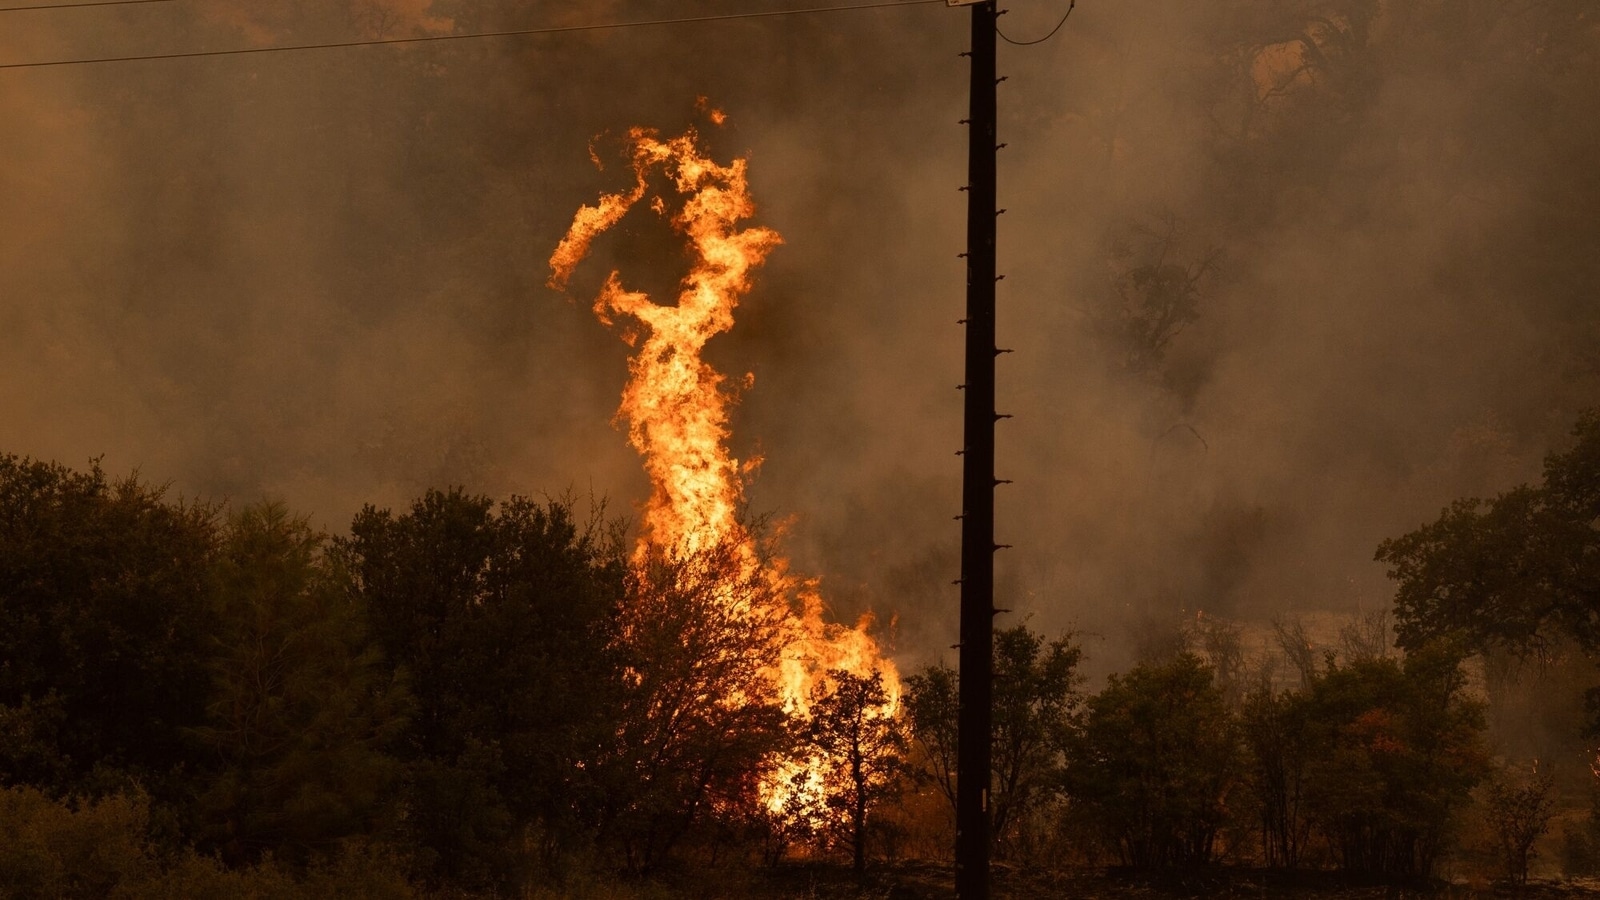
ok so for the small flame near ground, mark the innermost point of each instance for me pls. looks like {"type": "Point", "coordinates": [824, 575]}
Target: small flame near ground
{"type": "Point", "coordinates": [677, 413]}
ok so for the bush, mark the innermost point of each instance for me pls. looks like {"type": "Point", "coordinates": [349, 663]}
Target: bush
{"type": "Point", "coordinates": [1152, 768]}
{"type": "Point", "coordinates": [1395, 751]}
{"type": "Point", "coordinates": [1520, 810]}
{"type": "Point", "coordinates": [52, 849]}
{"type": "Point", "coordinates": [96, 849]}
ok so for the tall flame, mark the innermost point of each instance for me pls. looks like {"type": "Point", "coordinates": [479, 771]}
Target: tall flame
{"type": "Point", "coordinates": [677, 412]}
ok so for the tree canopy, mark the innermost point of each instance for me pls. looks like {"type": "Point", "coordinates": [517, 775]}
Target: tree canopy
{"type": "Point", "coordinates": [1152, 767]}
{"type": "Point", "coordinates": [1520, 571]}
{"type": "Point", "coordinates": [104, 615]}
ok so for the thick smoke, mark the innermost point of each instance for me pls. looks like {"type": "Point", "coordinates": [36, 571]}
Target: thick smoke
{"type": "Point", "coordinates": [1282, 278]}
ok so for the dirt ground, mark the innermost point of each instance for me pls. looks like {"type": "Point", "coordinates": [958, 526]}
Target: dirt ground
{"type": "Point", "coordinates": [934, 883]}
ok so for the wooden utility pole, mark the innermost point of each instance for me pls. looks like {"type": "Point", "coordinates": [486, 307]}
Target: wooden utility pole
{"type": "Point", "coordinates": [975, 718]}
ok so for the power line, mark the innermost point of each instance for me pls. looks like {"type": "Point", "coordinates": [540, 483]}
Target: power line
{"type": "Point", "coordinates": [560, 29]}
{"type": "Point", "coordinates": [79, 5]}
{"type": "Point", "coordinates": [1073, 4]}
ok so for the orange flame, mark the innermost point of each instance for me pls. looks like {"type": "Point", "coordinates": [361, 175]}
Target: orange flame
{"type": "Point", "coordinates": [678, 421]}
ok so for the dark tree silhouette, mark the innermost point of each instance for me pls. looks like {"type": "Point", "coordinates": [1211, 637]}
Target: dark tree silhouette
{"type": "Point", "coordinates": [1394, 750]}
{"type": "Point", "coordinates": [697, 711]}
{"type": "Point", "coordinates": [104, 615]}
{"type": "Point", "coordinates": [501, 618]}
{"type": "Point", "coordinates": [1035, 696]}
{"type": "Point", "coordinates": [302, 710]}
{"type": "Point", "coordinates": [1519, 572]}
{"type": "Point", "coordinates": [860, 739]}
{"type": "Point", "coordinates": [1520, 809]}
{"type": "Point", "coordinates": [1152, 767]}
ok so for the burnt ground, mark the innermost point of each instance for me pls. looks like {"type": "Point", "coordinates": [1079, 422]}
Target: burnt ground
{"type": "Point", "coordinates": [928, 882]}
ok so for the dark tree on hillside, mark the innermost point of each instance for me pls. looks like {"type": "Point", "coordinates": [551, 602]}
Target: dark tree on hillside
{"type": "Point", "coordinates": [1155, 291]}
{"type": "Point", "coordinates": [500, 618]}
{"type": "Point", "coordinates": [104, 613]}
{"type": "Point", "coordinates": [302, 709]}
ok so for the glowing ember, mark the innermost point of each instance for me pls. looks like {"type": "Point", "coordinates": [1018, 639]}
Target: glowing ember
{"type": "Point", "coordinates": [677, 414]}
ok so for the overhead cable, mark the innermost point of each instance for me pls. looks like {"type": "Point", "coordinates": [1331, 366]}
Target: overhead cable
{"type": "Point", "coordinates": [78, 5]}
{"type": "Point", "coordinates": [432, 38]}
{"type": "Point", "coordinates": [1073, 4]}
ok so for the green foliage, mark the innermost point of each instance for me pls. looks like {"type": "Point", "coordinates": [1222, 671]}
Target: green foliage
{"type": "Point", "coordinates": [500, 618]}
{"type": "Point", "coordinates": [932, 700]}
{"type": "Point", "coordinates": [1394, 749]}
{"type": "Point", "coordinates": [301, 709]}
{"type": "Point", "coordinates": [51, 850]}
{"type": "Point", "coordinates": [196, 877]}
{"type": "Point", "coordinates": [468, 692]}
{"type": "Point", "coordinates": [862, 745]}
{"type": "Point", "coordinates": [1277, 730]}
{"type": "Point", "coordinates": [104, 614]}
{"type": "Point", "coordinates": [1517, 572]}
{"type": "Point", "coordinates": [1153, 767]}
{"type": "Point", "coordinates": [1370, 759]}
{"type": "Point", "coordinates": [1035, 697]}
{"type": "Point", "coordinates": [97, 849]}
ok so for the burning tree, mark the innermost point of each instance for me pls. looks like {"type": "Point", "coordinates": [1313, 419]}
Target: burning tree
{"type": "Point", "coordinates": [677, 419]}
{"type": "Point", "coordinates": [861, 746]}
{"type": "Point", "coordinates": [699, 716]}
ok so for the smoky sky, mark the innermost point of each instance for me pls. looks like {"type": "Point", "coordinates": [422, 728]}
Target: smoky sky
{"type": "Point", "coordinates": [319, 276]}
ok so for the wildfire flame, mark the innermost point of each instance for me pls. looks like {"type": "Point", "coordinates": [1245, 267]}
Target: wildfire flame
{"type": "Point", "coordinates": [677, 412]}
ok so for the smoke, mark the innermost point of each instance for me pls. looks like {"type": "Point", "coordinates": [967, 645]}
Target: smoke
{"type": "Point", "coordinates": [320, 276]}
